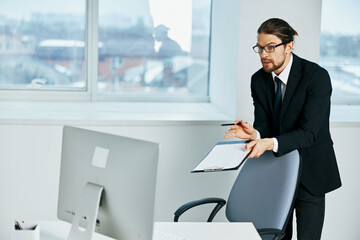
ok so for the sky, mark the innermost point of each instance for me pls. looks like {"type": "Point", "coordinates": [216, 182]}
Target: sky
{"type": "Point", "coordinates": [341, 16]}
{"type": "Point", "coordinates": [12, 9]}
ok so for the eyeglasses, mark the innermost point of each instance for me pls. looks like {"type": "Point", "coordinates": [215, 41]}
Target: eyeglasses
{"type": "Point", "coordinates": [268, 49]}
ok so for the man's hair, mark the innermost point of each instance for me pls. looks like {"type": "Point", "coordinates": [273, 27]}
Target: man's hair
{"type": "Point", "coordinates": [279, 28]}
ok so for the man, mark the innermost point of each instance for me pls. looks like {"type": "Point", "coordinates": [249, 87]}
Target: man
{"type": "Point", "coordinates": [169, 47]}
{"type": "Point", "coordinates": [291, 98]}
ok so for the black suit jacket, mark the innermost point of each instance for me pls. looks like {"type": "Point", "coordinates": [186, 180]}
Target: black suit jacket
{"type": "Point", "coordinates": [304, 121]}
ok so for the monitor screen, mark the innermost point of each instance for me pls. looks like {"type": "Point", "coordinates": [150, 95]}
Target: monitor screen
{"type": "Point", "coordinates": [109, 178]}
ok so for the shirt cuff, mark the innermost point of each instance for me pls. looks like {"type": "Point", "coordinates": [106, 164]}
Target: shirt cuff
{"type": "Point", "coordinates": [258, 135]}
{"type": "Point", "coordinates": [276, 145]}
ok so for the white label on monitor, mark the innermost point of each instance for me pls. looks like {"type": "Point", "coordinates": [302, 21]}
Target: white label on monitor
{"type": "Point", "coordinates": [100, 157]}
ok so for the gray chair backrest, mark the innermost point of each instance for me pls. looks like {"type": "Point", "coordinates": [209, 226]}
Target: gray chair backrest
{"type": "Point", "coordinates": [264, 190]}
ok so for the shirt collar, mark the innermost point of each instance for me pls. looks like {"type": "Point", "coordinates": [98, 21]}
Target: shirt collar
{"type": "Point", "coordinates": [284, 75]}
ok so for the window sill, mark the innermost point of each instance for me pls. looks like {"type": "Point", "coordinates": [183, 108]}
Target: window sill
{"type": "Point", "coordinates": [109, 113]}
{"type": "Point", "coordinates": [135, 113]}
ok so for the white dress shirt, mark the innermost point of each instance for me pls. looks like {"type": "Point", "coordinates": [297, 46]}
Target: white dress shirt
{"type": "Point", "coordinates": [283, 76]}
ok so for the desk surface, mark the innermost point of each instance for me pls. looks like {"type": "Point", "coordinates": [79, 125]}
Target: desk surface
{"type": "Point", "coordinates": [209, 231]}
{"type": "Point", "coordinates": [58, 230]}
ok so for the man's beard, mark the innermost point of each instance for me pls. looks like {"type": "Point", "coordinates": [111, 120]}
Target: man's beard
{"type": "Point", "coordinates": [274, 67]}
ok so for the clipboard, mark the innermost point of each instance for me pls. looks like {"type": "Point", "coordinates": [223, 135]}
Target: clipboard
{"type": "Point", "coordinates": [223, 156]}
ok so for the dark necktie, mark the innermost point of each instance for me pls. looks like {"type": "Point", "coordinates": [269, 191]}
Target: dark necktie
{"type": "Point", "coordinates": [277, 106]}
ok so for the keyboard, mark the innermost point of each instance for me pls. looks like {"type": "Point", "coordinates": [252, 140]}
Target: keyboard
{"type": "Point", "coordinates": [158, 235]}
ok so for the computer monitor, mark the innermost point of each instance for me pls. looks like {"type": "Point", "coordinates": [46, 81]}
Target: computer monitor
{"type": "Point", "coordinates": [107, 184]}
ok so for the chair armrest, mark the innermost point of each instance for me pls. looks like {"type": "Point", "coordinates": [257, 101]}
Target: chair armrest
{"type": "Point", "coordinates": [271, 231]}
{"type": "Point", "coordinates": [220, 203]}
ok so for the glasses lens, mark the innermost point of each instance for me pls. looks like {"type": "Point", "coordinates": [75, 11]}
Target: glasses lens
{"type": "Point", "coordinates": [269, 49]}
{"type": "Point", "coordinates": [256, 49]}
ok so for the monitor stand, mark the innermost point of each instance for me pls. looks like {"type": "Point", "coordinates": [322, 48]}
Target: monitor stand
{"type": "Point", "coordinates": [87, 208]}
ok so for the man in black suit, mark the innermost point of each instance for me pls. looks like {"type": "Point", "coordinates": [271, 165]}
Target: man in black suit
{"type": "Point", "coordinates": [292, 106]}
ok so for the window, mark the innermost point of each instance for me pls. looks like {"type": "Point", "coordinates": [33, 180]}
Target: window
{"type": "Point", "coordinates": [146, 49]}
{"type": "Point", "coordinates": [44, 45]}
{"type": "Point", "coordinates": [340, 48]}
{"type": "Point", "coordinates": [154, 47]}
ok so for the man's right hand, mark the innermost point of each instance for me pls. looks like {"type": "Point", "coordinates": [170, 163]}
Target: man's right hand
{"type": "Point", "coordinates": [242, 130]}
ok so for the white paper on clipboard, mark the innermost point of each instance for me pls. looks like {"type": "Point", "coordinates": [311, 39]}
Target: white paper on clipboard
{"type": "Point", "coordinates": [223, 156]}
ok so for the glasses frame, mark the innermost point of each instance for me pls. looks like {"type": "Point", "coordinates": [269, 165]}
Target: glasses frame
{"type": "Point", "coordinates": [261, 49]}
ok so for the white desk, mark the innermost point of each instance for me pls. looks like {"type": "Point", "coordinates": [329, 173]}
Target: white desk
{"type": "Point", "coordinates": [209, 231]}
{"type": "Point", "coordinates": [190, 230]}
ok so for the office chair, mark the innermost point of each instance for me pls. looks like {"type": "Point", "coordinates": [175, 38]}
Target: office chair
{"type": "Point", "coordinates": [263, 193]}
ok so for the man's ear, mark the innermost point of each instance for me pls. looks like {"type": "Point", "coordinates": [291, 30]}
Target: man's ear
{"type": "Point", "coordinates": [289, 47]}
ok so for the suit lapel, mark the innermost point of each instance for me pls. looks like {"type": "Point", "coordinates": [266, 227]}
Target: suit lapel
{"type": "Point", "coordinates": [270, 91]}
{"type": "Point", "coordinates": [294, 78]}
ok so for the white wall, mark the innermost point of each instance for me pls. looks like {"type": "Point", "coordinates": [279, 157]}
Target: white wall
{"type": "Point", "coordinates": [342, 205]}
{"type": "Point", "coordinates": [224, 61]}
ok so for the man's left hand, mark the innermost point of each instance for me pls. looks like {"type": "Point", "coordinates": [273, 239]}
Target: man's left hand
{"type": "Point", "coordinates": [258, 147]}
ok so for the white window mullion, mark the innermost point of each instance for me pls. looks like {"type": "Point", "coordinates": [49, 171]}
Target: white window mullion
{"type": "Point", "coordinates": [92, 46]}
